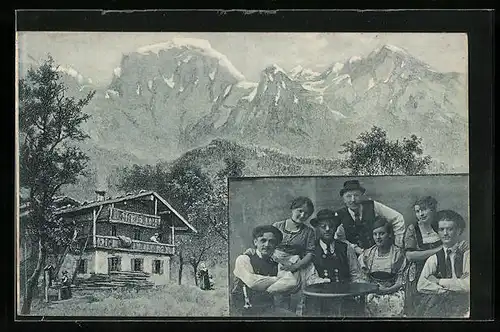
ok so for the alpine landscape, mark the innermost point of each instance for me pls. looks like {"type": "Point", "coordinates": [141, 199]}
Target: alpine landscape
{"type": "Point", "coordinates": [178, 118]}
{"type": "Point", "coordinates": [183, 99]}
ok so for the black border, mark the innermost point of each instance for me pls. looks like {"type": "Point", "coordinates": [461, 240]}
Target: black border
{"type": "Point", "coordinates": [477, 24]}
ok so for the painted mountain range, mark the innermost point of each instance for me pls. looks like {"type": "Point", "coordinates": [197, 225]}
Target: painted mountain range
{"type": "Point", "coordinates": [169, 98]}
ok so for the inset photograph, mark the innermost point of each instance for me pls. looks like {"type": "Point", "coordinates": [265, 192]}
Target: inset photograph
{"type": "Point", "coordinates": [371, 246]}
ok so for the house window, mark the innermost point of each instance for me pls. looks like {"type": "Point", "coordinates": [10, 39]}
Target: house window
{"type": "Point", "coordinates": [82, 266]}
{"type": "Point", "coordinates": [113, 230]}
{"type": "Point", "coordinates": [137, 234]}
{"type": "Point", "coordinates": [114, 264]}
{"type": "Point", "coordinates": [157, 266]}
{"type": "Point", "coordinates": [137, 264]}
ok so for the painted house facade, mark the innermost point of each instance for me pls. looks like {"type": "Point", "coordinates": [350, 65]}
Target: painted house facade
{"type": "Point", "coordinates": [128, 235]}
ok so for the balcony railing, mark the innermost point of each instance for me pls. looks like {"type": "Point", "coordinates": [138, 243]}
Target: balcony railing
{"type": "Point", "coordinates": [134, 218]}
{"type": "Point", "coordinates": [112, 242]}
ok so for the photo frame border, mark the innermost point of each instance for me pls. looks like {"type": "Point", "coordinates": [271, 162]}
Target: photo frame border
{"type": "Point", "coordinates": [477, 24]}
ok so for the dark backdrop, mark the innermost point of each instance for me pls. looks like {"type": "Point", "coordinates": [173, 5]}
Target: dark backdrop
{"type": "Point", "coordinates": [257, 201]}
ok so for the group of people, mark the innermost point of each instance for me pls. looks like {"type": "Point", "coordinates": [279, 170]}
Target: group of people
{"type": "Point", "coordinates": [421, 270]}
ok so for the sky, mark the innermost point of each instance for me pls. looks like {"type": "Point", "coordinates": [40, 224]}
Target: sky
{"type": "Point", "coordinates": [96, 54]}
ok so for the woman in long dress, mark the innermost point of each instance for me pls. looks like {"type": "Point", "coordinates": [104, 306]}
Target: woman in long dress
{"type": "Point", "coordinates": [420, 242]}
{"type": "Point", "coordinates": [384, 264]}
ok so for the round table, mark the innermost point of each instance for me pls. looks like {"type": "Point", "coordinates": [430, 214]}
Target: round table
{"type": "Point", "coordinates": [332, 294]}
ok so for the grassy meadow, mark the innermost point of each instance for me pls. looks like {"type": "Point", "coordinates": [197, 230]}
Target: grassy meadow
{"type": "Point", "coordinates": [168, 300]}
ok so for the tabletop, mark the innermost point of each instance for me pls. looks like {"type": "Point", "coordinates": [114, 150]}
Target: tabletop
{"type": "Point", "coordinates": [337, 289]}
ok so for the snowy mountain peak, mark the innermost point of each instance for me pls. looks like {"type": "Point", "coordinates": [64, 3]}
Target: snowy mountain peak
{"type": "Point", "coordinates": [296, 70]}
{"type": "Point", "coordinates": [200, 46]}
{"type": "Point", "coordinates": [70, 71]}
{"type": "Point", "coordinates": [303, 74]}
{"type": "Point", "coordinates": [354, 59]}
{"type": "Point", "coordinates": [395, 49]}
{"type": "Point", "coordinates": [274, 69]}
{"type": "Point", "coordinates": [247, 84]}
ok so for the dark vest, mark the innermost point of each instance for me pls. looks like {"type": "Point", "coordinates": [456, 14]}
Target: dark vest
{"type": "Point", "coordinates": [360, 234]}
{"type": "Point", "coordinates": [259, 300]}
{"type": "Point", "coordinates": [330, 262]}
{"type": "Point", "coordinates": [441, 264]}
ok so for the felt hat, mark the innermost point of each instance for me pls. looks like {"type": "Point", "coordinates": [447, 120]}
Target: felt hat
{"type": "Point", "coordinates": [351, 185]}
{"type": "Point", "coordinates": [325, 214]}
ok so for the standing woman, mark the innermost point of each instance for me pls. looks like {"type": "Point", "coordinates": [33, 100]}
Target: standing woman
{"type": "Point", "coordinates": [384, 264]}
{"type": "Point", "coordinates": [420, 242]}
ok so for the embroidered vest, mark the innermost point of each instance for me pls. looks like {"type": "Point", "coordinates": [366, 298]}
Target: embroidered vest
{"type": "Point", "coordinates": [258, 299]}
{"type": "Point", "coordinates": [441, 264]}
{"type": "Point", "coordinates": [360, 234]}
{"type": "Point", "coordinates": [330, 262]}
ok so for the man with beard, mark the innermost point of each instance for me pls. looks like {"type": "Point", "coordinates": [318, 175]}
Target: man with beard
{"type": "Point", "coordinates": [258, 278]}
{"type": "Point", "coordinates": [358, 215]}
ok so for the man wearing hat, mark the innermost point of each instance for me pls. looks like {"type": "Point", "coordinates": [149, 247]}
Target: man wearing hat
{"type": "Point", "coordinates": [335, 260]}
{"type": "Point", "coordinates": [357, 217]}
{"type": "Point", "coordinates": [258, 279]}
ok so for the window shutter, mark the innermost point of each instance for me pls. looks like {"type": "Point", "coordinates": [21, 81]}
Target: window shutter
{"type": "Point", "coordinates": [161, 266]}
{"type": "Point", "coordinates": [85, 266]}
{"type": "Point", "coordinates": [119, 267]}
{"type": "Point", "coordinates": [142, 264]}
{"type": "Point", "coordinates": [153, 265]}
{"type": "Point", "coordinates": [132, 267]}
{"type": "Point", "coordinates": [110, 262]}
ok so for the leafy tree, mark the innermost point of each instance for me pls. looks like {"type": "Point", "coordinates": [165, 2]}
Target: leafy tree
{"type": "Point", "coordinates": [192, 193]}
{"type": "Point", "coordinates": [374, 154]}
{"type": "Point", "coordinates": [233, 168]}
{"type": "Point", "coordinates": [49, 126]}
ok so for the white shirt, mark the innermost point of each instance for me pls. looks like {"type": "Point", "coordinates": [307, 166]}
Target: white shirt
{"type": "Point", "coordinates": [393, 216]}
{"type": "Point", "coordinates": [452, 284]}
{"type": "Point", "coordinates": [243, 270]}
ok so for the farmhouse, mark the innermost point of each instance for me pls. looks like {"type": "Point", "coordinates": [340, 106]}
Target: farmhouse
{"type": "Point", "coordinates": [126, 240]}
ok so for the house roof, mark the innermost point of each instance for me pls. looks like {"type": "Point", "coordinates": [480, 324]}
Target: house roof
{"type": "Point", "coordinates": [128, 197]}
{"type": "Point", "coordinates": [60, 203]}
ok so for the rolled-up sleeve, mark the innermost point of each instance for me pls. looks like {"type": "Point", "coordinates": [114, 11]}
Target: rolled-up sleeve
{"type": "Point", "coordinates": [461, 285]}
{"type": "Point", "coordinates": [395, 218]}
{"type": "Point", "coordinates": [243, 270]}
{"type": "Point", "coordinates": [424, 285]}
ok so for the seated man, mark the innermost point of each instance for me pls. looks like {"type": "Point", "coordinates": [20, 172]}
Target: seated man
{"type": "Point", "coordinates": [445, 278]}
{"type": "Point", "coordinates": [259, 279]}
{"type": "Point", "coordinates": [334, 259]}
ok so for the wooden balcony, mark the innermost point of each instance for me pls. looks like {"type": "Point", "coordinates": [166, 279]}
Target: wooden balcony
{"type": "Point", "coordinates": [134, 218]}
{"type": "Point", "coordinates": [112, 242]}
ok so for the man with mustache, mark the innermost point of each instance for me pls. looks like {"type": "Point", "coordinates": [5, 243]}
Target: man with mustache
{"type": "Point", "coordinates": [258, 279]}
{"type": "Point", "coordinates": [358, 215]}
{"type": "Point", "coordinates": [336, 261]}
{"type": "Point", "coordinates": [445, 278]}
{"type": "Point", "coordinates": [333, 259]}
